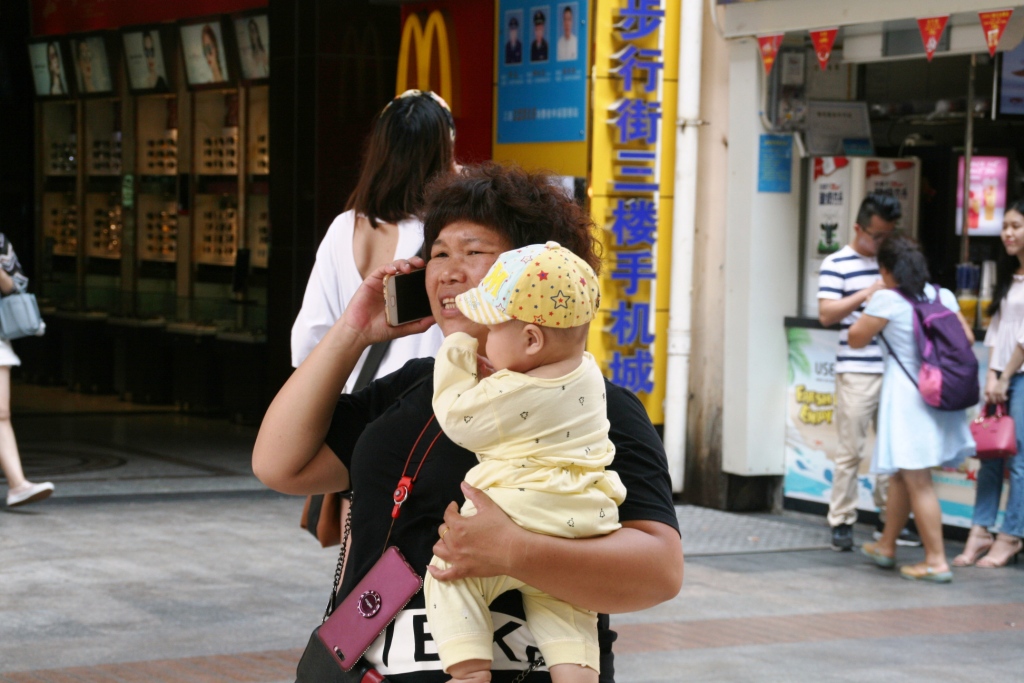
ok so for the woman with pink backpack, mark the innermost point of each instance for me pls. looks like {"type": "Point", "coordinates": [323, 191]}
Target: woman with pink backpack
{"type": "Point", "coordinates": [918, 428]}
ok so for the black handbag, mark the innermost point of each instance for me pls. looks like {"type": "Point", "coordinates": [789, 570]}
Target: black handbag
{"type": "Point", "coordinates": [317, 665]}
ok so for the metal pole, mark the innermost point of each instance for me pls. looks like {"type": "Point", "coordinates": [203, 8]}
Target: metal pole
{"type": "Point", "coordinates": [968, 152]}
{"type": "Point", "coordinates": [684, 225]}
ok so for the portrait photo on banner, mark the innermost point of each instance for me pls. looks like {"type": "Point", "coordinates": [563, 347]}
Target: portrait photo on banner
{"type": "Point", "coordinates": [92, 69]}
{"type": "Point", "coordinates": [252, 34]}
{"type": "Point", "coordinates": [514, 36]}
{"type": "Point", "coordinates": [47, 59]}
{"type": "Point", "coordinates": [144, 59]}
{"type": "Point", "coordinates": [566, 47]}
{"type": "Point", "coordinates": [202, 45]}
{"type": "Point", "coordinates": [539, 33]}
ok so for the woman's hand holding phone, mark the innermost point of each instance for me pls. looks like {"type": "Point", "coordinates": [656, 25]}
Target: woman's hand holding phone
{"type": "Point", "coordinates": [365, 313]}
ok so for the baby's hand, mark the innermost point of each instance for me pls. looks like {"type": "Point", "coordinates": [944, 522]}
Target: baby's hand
{"type": "Point", "coordinates": [484, 369]}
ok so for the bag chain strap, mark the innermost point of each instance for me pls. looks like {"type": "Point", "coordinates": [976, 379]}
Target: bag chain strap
{"type": "Point", "coordinates": [522, 677]}
{"type": "Point", "coordinates": [341, 558]}
{"type": "Point", "coordinates": [398, 503]}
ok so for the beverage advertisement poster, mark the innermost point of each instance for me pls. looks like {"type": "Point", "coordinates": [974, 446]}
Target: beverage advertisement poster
{"type": "Point", "coordinates": [811, 437]}
{"type": "Point", "coordinates": [542, 71]}
{"type": "Point", "coordinates": [829, 206]}
{"type": "Point", "coordinates": [987, 199]}
{"type": "Point", "coordinates": [898, 178]}
{"type": "Point", "coordinates": [828, 221]}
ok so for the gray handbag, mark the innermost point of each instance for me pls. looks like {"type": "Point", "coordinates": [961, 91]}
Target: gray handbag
{"type": "Point", "coordinates": [19, 316]}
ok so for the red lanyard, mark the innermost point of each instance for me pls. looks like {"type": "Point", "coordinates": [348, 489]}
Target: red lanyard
{"type": "Point", "coordinates": [405, 483]}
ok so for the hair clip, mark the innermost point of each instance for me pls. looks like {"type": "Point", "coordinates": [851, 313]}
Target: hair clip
{"type": "Point", "coordinates": [432, 95]}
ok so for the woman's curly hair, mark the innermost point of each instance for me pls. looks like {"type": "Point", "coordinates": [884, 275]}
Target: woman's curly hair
{"type": "Point", "coordinates": [525, 207]}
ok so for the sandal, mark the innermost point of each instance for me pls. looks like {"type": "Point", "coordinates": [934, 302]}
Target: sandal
{"type": "Point", "coordinates": [880, 559]}
{"type": "Point", "coordinates": [979, 541]}
{"type": "Point", "coordinates": [1006, 549]}
{"type": "Point", "coordinates": [923, 572]}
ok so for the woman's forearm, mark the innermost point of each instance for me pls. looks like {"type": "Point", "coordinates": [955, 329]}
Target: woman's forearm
{"type": "Point", "coordinates": [1016, 360]}
{"type": "Point", "coordinates": [289, 454]}
{"type": "Point", "coordinates": [636, 567]}
{"type": "Point", "coordinates": [7, 285]}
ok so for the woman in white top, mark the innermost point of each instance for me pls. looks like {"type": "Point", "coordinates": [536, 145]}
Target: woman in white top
{"type": "Point", "coordinates": [1005, 381]}
{"type": "Point", "coordinates": [412, 141]}
{"type": "Point", "coordinates": [20, 491]}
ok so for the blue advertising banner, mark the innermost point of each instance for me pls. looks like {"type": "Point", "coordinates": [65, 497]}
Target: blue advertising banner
{"type": "Point", "coordinates": [542, 69]}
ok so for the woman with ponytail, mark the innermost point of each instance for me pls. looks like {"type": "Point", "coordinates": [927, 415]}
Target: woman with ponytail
{"type": "Point", "coordinates": [912, 437]}
{"type": "Point", "coordinates": [1005, 382]}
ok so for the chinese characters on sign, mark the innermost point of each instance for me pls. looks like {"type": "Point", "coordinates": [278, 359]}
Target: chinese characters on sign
{"type": "Point", "coordinates": [769, 48]}
{"type": "Point", "coordinates": [636, 120]}
{"type": "Point", "coordinates": [823, 41]}
{"type": "Point", "coordinates": [993, 24]}
{"type": "Point", "coordinates": [931, 30]}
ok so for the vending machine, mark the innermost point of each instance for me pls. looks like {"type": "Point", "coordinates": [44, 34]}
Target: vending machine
{"type": "Point", "coordinates": [836, 186]}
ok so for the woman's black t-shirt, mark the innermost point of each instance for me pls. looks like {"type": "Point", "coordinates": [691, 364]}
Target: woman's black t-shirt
{"type": "Point", "coordinates": [372, 433]}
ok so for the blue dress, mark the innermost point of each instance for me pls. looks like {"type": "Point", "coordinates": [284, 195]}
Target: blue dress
{"type": "Point", "coordinates": [912, 435]}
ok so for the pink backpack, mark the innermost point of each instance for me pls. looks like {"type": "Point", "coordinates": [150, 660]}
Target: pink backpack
{"type": "Point", "coordinates": [948, 378]}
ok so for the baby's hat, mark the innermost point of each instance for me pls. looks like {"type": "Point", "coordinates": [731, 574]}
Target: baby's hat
{"type": "Point", "coordinates": [544, 284]}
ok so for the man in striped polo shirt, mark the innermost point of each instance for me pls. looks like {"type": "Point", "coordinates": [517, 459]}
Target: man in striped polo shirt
{"type": "Point", "coordinates": [848, 279]}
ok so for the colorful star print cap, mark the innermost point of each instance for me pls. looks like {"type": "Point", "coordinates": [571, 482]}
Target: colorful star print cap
{"type": "Point", "coordinates": [545, 284]}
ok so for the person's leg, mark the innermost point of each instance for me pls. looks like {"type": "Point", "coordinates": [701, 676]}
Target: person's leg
{"type": "Point", "coordinates": [471, 671]}
{"type": "Point", "coordinates": [896, 519]}
{"type": "Point", "coordinates": [460, 622]}
{"type": "Point", "coordinates": [566, 636]}
{"type": "Point", "coordinates": [987, 492]}
{"type": "Point", "coordinates": [1013, 520]}
{"type": "Point", "coordinates": [1008, 542]}
{"type": "Point", "coordinates": [928, 515]}
{"type": "Point", "coordinates": [880, 494]}
{"type": "Point", "coordinates": [856, 404]}
{"type": "Point", "coordinates": [979, 541]}
{"type": "Point", "coordinates": [10, 458]}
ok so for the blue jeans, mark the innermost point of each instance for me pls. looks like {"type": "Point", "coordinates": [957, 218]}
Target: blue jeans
{"type": "Point", "coordinates": [990, 475]}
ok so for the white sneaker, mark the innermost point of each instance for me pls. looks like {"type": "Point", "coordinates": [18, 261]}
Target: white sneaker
{"type": "Point", "coordinates": [30, 493]}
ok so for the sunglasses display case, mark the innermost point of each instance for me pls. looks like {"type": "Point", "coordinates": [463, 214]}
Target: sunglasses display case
{"type": "Point", "coordinates": [153, 188]}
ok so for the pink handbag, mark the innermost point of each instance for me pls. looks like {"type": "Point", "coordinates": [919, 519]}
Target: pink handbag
{"type": "Point", "coordinates": [995, 435]}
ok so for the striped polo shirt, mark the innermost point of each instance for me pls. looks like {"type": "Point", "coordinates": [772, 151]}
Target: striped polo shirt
{"type": "Point", "coordinates": [844, 273]}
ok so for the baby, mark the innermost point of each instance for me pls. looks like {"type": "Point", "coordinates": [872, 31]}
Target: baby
{"type": "Point", "coordinates": [539, 427]}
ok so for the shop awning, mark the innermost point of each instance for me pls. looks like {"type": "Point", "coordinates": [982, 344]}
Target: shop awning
{"type": "Point", "coordinates": [758, 17]}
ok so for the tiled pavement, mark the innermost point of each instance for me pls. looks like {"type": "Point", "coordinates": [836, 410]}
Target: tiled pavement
{"type": "Point", "coordinates": [161, 559]}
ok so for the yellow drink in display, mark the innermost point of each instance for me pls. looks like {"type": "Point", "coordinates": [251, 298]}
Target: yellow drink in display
{"type": "Point", "coordinates": [983, 305]}
{"type": "Point", "coordinates": [989, 196]}
{"type": "Point", "coordinates": [969, 308]}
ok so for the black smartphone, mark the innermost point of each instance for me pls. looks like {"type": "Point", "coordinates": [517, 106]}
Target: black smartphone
{"type": "Point", "coordinates": [405, 297]}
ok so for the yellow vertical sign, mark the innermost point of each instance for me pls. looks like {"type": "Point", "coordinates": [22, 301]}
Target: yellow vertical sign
{"type": "Point", "coordinates": [632, 154]}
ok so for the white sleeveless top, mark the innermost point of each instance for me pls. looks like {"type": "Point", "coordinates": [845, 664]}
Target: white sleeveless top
{"type": "Point", "coordinates": [332, 284]}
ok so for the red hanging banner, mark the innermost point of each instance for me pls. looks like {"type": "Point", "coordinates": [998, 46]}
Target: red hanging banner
{"type": "Point", "coordinates": [823, 41]}
{"type": "Point", "coordinates": [993, 24]}
{"type": "Point", "coordinates": [769, 46]}
{"type": "Point", "coordinates": [931, 31]}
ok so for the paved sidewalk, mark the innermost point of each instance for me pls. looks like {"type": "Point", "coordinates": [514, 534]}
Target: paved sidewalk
{"type": "Point", "coordinates": [161, 558]}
